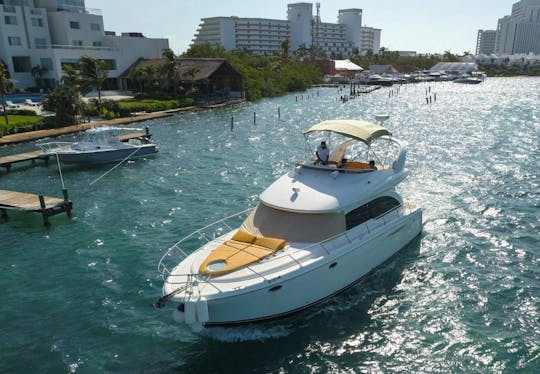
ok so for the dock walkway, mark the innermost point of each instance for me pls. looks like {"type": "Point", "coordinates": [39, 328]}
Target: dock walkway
{"type": "Point", "coordinates": [7, 161]}
{"type": "Point", "coordinates": [47, 206]}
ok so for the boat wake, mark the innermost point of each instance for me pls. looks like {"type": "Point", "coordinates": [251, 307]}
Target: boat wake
{"type": "Point", "coordinates": [246, 333]}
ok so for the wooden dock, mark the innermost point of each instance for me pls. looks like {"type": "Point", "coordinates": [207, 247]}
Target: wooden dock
{"type": "Point", "coordinates": [26, 202]}
{"type": "Point", "coordinates": [7, 161]}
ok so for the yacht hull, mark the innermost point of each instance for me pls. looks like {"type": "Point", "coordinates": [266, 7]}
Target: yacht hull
{"type": "Point", "coordinates": [344, 266]}
{"type": "Point", "coordinates": [106, 155]}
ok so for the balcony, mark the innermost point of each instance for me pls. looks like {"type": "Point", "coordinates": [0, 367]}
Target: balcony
{"type": "Point", "coordinates": [83, 47]}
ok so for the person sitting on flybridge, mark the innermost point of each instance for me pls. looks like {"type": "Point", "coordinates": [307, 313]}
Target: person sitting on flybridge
{"type": "Point", "coordinates": [322, 154]}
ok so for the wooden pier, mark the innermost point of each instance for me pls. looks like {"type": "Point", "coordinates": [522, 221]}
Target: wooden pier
{"type": "Point", "coordinates": [26, 202]}
{"type": "Point", "coordinates": [7, 161]}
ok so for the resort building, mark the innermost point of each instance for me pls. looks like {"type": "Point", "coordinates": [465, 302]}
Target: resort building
{"type": "Point", "coordinates": [520, 31]}
{"type": "Point", "coordinates": [302, 29]}
{"type": "Point", "coordinates": [485, 41]}
{"type": "Point", "coordinates": [51, 33]}
{"type": "Point", "coordinates": [371, 39]}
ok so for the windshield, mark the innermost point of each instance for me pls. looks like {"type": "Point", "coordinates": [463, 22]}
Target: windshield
{"type": "Point", "coordinates": [294, 227]}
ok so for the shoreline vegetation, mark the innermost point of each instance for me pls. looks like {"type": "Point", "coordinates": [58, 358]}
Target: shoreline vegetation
{"type": "Point", "coordinates": [264, 76]}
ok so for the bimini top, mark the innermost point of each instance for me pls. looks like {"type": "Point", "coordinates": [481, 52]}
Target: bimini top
{"type": "Point", "coordinates": [361, 130]}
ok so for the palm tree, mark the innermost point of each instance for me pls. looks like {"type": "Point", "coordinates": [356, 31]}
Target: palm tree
{"type": "Point", "coordinates": [285, 45]}
{"type": "Point", "coordinates": [37, 72]}
{"type": "Point", "coordinates": [6, 87]}
{"type": "Point", "coordinates": [151, 75]}
{"type": "Point", "coordinates": [94, 73]}
{"type": "Point", "coordinates": [138, 75]}
{"type": "Point", "coordinates": [169, 69]}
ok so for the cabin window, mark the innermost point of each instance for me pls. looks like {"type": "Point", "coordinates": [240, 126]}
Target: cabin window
{"type": "Point", "coordinates": [373, 209]}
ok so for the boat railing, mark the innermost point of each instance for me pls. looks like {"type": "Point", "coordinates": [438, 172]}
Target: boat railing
{"type": "Point", "coordinates": [301, 258]}
{"type": "Point", "coordinates": [200, 234]}
{"type": "Point", "coordinates": [51, 146]}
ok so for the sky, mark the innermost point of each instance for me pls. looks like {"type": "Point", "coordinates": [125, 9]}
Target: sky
{"type": "Point", "coordinates": [424, 26]}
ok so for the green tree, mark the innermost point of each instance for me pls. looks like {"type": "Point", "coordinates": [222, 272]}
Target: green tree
{"type": "Point", "coordinates": [37, 73]}
{"type": "Point", "coordinates": [93, 73]}
{"type": "Point", "coordinates": [65, 102]}
{"type": "Point", "coordinates": [6, 87]}
{"type": "Point", "coordinates": [285, 45]}
{"type": "Point", "coordinates": [151, 75]}
{"type": "Point", "coordinates": [169, 70]}
{"type": "Point", "coordinates": [138, 75]}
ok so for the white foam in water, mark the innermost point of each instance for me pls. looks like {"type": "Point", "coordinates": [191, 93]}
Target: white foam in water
{"type": "Point", "coordinates": [247, 333]}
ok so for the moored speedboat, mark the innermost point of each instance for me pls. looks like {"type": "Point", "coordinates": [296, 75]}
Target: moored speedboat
{"type": "Point", "coordinates": [100, 147]}
{"type": "Point", "coordinates": [316, 231]}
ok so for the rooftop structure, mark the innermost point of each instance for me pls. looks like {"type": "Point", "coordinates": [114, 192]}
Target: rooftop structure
{"type": "Point", "coordinates": [304, 31]}
{"type": "Point", "coordinates": [52, 33]}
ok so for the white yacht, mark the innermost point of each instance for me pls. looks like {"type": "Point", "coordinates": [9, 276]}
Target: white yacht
{"type": "Point", "coordinates": [316, 231]}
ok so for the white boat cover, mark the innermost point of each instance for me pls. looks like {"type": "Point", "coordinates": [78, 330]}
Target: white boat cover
{"type": "Point", "coordinates": [361, 130]}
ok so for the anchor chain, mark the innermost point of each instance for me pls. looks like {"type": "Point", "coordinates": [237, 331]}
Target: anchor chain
{"type": "Point", "coordinates": [165, 298]}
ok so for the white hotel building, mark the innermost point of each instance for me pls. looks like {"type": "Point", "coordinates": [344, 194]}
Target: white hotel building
{"type": "Point", "coordinates": [302, 28]}
{"type": "Point", "coordinates": [50, 33]}
{"type": "Point", "coordinates": [516, 33]}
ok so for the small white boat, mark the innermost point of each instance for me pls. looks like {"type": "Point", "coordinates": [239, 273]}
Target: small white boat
{"type": "Point", "coordinates": [99, 147]}
{"type": "Point", "coordinates": [467, 79]}
{"type": "Point", "coordinates": [316, 231]}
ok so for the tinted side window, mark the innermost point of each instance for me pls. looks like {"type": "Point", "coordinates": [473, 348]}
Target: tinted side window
{"type": "Point", "coordinates": [373, 209]}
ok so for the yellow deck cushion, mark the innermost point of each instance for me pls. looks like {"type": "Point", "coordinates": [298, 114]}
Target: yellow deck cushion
{"type": "Point", "coordinates": [236, 254]}
{"type": "Point", "coordinates": [271, 243]}
{"type": "Point", "coordinates": [356, 165]}
{"type": "Point", "coordinates": [244, 236]}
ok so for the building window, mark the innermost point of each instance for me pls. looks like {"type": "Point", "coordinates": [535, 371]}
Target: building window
{"type": "Point", "coordinates": [21, 64]}
{"type": "Point", "coordinates": [14, 40]}
{"type": "Point", "coordinates": [74, 25]}
{"type": "Point", "coordinates": [37, 22]}
{"type": "Point", "coordinates": [46, 63]}
{"type": "Point", "coordinates": [10, 20]}
{"type": "Point", "coordinates": [68, 62]}
{"type": "Point", "coordinates": [97, 44]}
{"type": "Point", "coordinates": [40, 43]}
{"type": "Point", "coordinates": [95, 27]}
{"type": "Point", "coordinates": [9, 9]}
{"type": "Point", "coordinates": [77, 42]}
{"type": "Point", "coordinates": [110, 64]}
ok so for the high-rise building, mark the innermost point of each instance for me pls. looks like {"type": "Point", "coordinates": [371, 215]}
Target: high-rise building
{"type": "Point", "coordinates": [302, 29]}
{"type": "Point", "coordinates": [520, 31]}
{"type": "Point", "coordinates": [52, 33]}
{"type": "Point", "coordinates": [371, 39]}
{"type": "Point", "coordinates": [485, 42]}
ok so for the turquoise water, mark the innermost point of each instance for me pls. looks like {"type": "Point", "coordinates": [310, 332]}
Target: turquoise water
{"type": "Point", "coordinates": [463, 297]}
